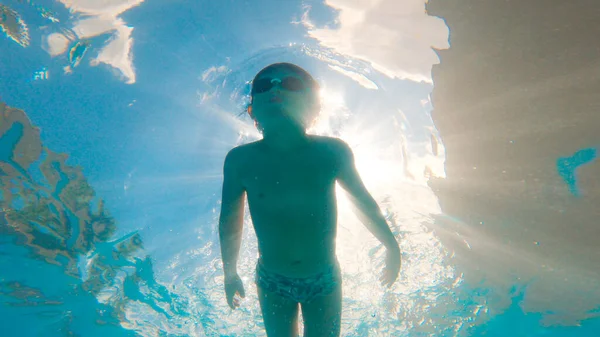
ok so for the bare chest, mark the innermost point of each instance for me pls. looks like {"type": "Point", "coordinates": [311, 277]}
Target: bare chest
{"type": "Point", "coordinates": [288, 180]}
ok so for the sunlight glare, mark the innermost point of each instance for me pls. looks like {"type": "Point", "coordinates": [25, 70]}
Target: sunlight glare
{"type": "Point", "coordinates": [390, 173]}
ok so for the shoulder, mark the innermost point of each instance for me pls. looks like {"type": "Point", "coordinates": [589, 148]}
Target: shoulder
{"type": "Point", "coordinates": [240, 154]}
{"type": "Point", "coordinates": [335, 147]}
{"type": "Point", "coordinates": [328, 142]}
{"type": "Point", "coordinates": [334, 144]}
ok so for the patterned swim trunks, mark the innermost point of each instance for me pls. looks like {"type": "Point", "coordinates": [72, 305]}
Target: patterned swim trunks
{"type": "Point", "coordinates": [301, 290]}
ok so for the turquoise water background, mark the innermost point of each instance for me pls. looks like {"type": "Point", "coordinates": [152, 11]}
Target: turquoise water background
{"type": "Point", "coordinates": [116, 118]}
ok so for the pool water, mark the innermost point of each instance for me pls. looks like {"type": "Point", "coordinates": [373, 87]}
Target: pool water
{"type": "Point", "coordinates": [115, 119]}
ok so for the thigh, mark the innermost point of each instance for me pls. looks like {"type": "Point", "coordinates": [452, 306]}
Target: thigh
{"type": "Point", "coordinates": [280, 314]}
{"type": "Point", "coordinates": [322, 316]}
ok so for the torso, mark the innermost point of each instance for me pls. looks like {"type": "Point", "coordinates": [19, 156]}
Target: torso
{"type": "Point", "coordinates": [292, 203]}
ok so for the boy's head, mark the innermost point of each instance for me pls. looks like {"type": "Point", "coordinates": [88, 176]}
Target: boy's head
{"type": "Point", "coordinates": [284, 92]}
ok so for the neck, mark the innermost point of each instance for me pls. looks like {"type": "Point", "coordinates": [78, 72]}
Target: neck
{"type": "Point", "coordinates": [285, 139]}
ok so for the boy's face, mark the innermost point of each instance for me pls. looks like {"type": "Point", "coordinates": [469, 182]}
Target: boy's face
{"type": "Point", "coordinates": [282, 97]}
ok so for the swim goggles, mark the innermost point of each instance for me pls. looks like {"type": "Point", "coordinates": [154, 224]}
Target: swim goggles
{"type": "Point", "coordinates": [288, 83]}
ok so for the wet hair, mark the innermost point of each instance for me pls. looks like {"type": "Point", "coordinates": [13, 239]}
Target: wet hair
{"type": "Point", "coordinates": [304, 75]}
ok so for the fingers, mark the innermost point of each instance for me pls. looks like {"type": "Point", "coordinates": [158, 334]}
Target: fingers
{"type": "Point", "coordinates": [233, 301]}
{"type": "Point", "coordinates": [387, 279]}
{"type": "Point", "coordinates": [384, 279]}
{"type": "Point", "coordinates": [230, 301]}
{"type": "Point", "coordinates": [231, 289]}
{"type": "Point", "coordinates": [387, 283]}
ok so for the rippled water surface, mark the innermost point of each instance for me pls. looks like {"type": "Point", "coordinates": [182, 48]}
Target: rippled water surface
{"type": "Point", "coordinates": [115, 118]}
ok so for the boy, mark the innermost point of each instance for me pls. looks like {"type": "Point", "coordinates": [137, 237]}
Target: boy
{"type": "Point", "coordinates": [289, 178]}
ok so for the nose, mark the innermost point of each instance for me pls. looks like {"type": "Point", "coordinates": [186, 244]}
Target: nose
{"type": "Point", "coordinates": [276, 85]}
{"type": "Point", "coordinates": [276, 82]}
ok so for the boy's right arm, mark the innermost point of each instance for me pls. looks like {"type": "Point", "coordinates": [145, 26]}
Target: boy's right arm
{"type": "Point", "coordinates": [231, 219]}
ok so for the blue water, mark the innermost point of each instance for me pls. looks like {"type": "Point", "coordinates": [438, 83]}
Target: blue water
{"type": "Point", "coordinates": [111, 158]}
{"type": "Point", "coordinates": [567, 167]}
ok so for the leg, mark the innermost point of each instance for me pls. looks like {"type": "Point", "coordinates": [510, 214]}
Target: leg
{"type": "Point", "coordinates": [322, 316]}
{"type": "Point", "coordinates": [279, 314]}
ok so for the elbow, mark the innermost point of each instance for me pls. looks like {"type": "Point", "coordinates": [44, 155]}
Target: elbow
{"type": "Point", "coordinates": [369, 208]}
{"type": "Point", "coordinates": [229, 229]}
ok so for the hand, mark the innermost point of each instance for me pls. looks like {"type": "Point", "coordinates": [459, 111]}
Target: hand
{"type": "Point", "coordinates": [234, 285]}
{"type": "Point", "coordinates": [392, 267]}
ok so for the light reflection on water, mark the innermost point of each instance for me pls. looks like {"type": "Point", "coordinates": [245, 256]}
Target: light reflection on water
{"type": "Point", "coordinates": [120, 274]}
{"type": "Point", "coordinates": [378, 134]}
{"type": "Point", "coordinates": [75, 269]}
{"type": "Point", "coordinates": [395, 156]}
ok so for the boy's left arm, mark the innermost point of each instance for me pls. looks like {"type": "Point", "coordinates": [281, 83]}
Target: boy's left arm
{"type": "Point", "coordinates": [365, 206]}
